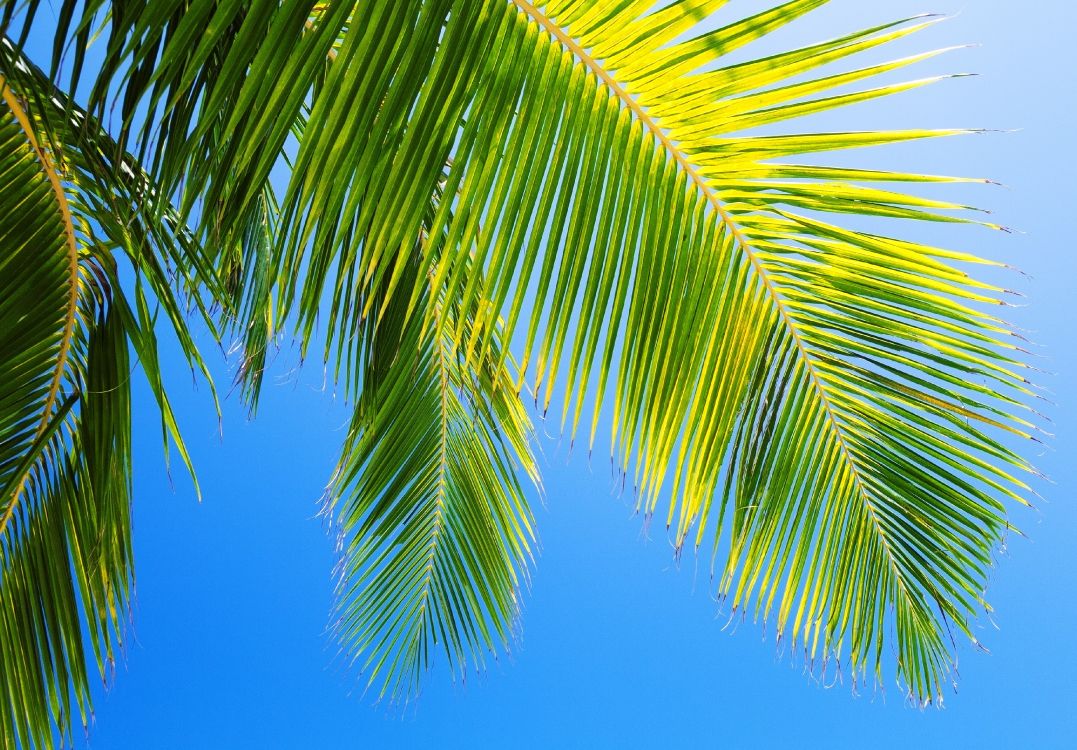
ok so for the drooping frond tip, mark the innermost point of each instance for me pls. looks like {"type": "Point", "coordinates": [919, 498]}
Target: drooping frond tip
{"type": "Point", "coordinates": [435, 530]}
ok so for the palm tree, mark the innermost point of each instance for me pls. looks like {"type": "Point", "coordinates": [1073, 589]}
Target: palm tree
{"type": "Point", "coordinates": [460, 201]}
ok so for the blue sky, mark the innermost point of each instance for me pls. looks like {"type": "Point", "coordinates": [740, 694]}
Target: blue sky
{"type": "Point", "coordinates": [620, 646]}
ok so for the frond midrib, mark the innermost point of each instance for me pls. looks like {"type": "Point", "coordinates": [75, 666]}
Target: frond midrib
{"type": "Point", "coordinates": [652, 126]}
{"type": "Point", "coordinates": [443, 466]}
{"type": "Point", "coordinates": [73, 283]}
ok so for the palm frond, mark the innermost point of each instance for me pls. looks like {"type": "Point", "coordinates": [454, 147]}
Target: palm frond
{"type": "Point", "coordinates": [63, 510]}
{"type": "Point", "coordinates": [65, 414]}
{"type": "Point", "coordinates": [831, 408]}
{"type": "Point", "coordinates": [435, 528]}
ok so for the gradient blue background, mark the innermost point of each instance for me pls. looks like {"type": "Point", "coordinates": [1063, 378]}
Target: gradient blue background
{"type": "Point", "coordinates": [620, 647]}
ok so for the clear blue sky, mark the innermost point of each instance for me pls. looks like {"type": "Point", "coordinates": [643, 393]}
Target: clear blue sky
{"type": "Point", "coordinates": [619, 647]}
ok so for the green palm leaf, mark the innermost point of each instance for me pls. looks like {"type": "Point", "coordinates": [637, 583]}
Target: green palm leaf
{"type": "Point", "coordinates": [64, 508]}
{"type": "Point", "coordinates": [65, 415]}
{"type": "Point", "coordinates": [829, 409]}
{"type": "Point", "coordinates": [435, 529]}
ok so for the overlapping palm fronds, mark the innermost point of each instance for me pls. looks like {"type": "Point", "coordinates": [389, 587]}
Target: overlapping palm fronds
{"type": "Point", "coordinates": [832, 411]}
